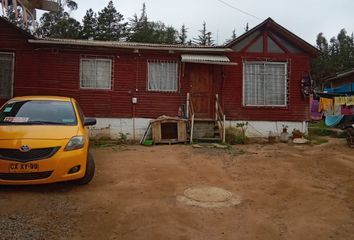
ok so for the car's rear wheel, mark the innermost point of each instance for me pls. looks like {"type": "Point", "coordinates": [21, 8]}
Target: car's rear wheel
{"type": "Point", "coordinates": [90, 171]}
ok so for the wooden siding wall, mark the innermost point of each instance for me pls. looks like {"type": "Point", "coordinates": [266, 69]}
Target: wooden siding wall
{"type": "Point", "coordinates": [59, 74]}
{"type": "Point", "coordinates": [297, 109]}
{"type": "Point", "coordinates": [48, 71]}
{"type": "Point", "coordinates": [13, 41]}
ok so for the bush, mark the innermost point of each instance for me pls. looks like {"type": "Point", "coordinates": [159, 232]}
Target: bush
{"type": "Point", "coordinates": [320, 131]}
{"type": "Point", "coordinates": [237, 134]}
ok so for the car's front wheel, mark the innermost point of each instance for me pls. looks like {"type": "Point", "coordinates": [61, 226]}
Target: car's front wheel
{"type": "Point", "coordinates": [90, 171]}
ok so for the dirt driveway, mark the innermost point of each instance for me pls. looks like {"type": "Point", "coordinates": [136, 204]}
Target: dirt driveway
{"type": "Point", "coordinates": [286, 191]}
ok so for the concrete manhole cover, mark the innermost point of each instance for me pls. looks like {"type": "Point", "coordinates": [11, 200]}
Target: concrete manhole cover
{"type": "Point", "coordinates": [208, 197]}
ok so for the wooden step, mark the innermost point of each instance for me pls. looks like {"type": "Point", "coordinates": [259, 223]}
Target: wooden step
{"type": "Point", "coordinates": [204, 120]}
{"type": "Point", "coordinates": [216, 140]}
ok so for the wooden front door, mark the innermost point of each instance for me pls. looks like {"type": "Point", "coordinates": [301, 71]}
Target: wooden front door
{"type": "Point", "coordinates": [202, 91]}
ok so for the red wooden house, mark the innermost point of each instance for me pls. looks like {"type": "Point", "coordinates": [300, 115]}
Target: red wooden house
{"type": "Point", "coordinates": [255, 78]}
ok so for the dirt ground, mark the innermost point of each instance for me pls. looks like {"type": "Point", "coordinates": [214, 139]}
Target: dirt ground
{"type": "Point", "coordinates": [286, 191]}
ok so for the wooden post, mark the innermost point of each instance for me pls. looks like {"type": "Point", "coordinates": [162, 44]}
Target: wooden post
{"type": "Point", "coordinates": [216, 107]}
{"type": "Point", "coordinates": [188, 98]}
{"type": "Point", "coordinates": [224, 130]}
{"type": "Point", "coordinates": [192, 127]}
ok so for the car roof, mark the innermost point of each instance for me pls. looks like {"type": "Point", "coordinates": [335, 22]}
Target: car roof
{"type": "Point", "coordinates": [45, 98]}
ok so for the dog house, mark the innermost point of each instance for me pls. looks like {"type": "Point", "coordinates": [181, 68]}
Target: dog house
{"type": "Point", "coordinates": [169, 130]}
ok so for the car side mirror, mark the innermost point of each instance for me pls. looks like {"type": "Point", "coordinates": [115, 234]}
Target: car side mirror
{"type": "Point", "coordinates": [90, 121]}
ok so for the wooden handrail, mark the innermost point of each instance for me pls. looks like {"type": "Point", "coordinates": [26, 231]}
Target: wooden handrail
{"type": "Point", "coordinates": [190, 115]}
{"type": "Point", "coordinates": [220, 117]}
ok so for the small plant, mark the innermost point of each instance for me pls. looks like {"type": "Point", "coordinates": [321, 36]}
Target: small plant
{"type": "Point", "coordinates": [243, 127]}
{"type": "Point", "coordinates": [237, 135]}
{"type": "Point", "coordinates": [123, 138]}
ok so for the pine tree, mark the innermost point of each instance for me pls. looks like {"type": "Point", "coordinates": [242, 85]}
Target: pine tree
{"type": "Point", "coordinates": [170, 35]}
{"type": "Point", "coordinates": [204, 38]}
{"type": "Point", "coordinates": [233, 37]}
{"type": "Point", "coordinates": [139, 27]}
{"type": "Point", "coordinates": [110, 25]}
{"type": "Point", "coordinates": [143, 30]}
{"type": "Point", "coordinates": [247, 28]}
{"type": "Point", "coordinates": [89, 27]}
{"type": "Point", "coordinates": [209, 40]}
{"type": "Point", "coordinates": [182, 37]}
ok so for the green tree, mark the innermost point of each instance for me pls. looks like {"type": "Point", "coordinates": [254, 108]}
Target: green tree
{"type": "Point", "coordinates": [59, 24]}
{"type": "Point", "coordinates": [72, 5]}
{"type": "Point", "coordinates": [143, 30]}
{"type": "Point", "coordinates": [11, 16]}
{"type": "Point", "coordinates": [210, 40]}
{"type": "Point", "coordinates": [233, 37]}
{"type": "Point", "coordinates": [319, 69]}
{"type": "Point", "coordinates": [89, 25]}
{"type": "Point", "coordinates": [170, 35]}
{"type": "Point", "coordinates": [110, 25]}
{"type": "Point", "coordinates": [335, 56]}
{"type": "Point", "coordinates": [204, 38]}
{"type": "Point", "coordinates": [182, 37]}
{"type": "Point", "coordinates": [18, 17]}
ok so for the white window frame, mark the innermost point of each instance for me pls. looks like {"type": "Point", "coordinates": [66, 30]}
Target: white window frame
{"type": "Point", "coordinates": [110, 73]}
{"type": "Point", "coordinates": [177, 76]}
{"type": "Point", "coordinates": [285, 64]}
{"type": "Point", "coordinates": [13, 72]}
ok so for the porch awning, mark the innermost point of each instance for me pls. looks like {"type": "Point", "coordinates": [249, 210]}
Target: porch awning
{"type": "Point", "coordinates": [207, 59]}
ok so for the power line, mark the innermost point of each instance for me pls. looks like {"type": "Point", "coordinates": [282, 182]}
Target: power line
{"type": "Point", "coordinates": [239, 10]}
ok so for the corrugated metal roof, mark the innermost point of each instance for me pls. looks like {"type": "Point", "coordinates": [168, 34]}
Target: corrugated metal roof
{"type": "Point", "coordinates": [207, 59]}
{"type": "Point", "coordinates": [130, 45]}
{"type": "Point", "coordinates": [340, 75]}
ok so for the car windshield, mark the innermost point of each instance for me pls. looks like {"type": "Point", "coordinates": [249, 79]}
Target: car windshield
{"type": "Point", "coordinates": [38, 112]}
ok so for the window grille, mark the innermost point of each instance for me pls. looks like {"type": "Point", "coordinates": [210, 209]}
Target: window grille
{"type": "Point", "coordinates": [265, 84]}
{"type": "Point", "coordinates": [96, 73]}
{"type": "Point", "coordinates": [162, 76]}
{"type": "Point", "coordinates": [6, 74]}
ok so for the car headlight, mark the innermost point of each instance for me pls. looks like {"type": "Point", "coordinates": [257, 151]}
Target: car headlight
{"type": "Point", "coordinates": [75, 142]}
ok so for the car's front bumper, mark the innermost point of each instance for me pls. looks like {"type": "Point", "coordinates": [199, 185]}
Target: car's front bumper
{"type": "Point", "coordinates": [53, 169]}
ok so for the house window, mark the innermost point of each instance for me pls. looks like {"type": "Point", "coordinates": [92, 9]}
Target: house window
{"type": "Point", "coordinates": [6, 74]}
{"type": "Point", "coordinates": [96, 73]}
{"type": "Point", "coordinates": [265, 84]}
{"type": "Point", "coordinates": [162, 76]}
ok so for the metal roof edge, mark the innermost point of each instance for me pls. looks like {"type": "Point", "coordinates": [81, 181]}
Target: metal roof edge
{"type": "Point", "coordinates": [339, 75]}
{"type": "Point", "coordinates": [88, 43]}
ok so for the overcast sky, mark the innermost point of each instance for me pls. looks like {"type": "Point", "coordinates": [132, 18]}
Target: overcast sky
{"type": "Point", "coordinates": [305, 18]}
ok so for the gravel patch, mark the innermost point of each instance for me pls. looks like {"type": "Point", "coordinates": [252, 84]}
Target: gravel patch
{"type": "Point", "coordinates": [53, 220]}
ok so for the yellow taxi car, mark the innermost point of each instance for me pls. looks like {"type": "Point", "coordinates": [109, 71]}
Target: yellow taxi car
{"type": "Point", "coordinates": [44, 139]}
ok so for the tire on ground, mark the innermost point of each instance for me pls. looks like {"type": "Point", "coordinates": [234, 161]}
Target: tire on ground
{"type": "Point", "coordinates": [90, 171]}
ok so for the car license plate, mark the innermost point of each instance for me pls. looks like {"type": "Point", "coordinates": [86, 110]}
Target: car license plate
{"type": "Point", "coordinates": [23, 167]}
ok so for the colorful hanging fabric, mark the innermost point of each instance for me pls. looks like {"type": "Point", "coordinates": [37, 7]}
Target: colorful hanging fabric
{"type": "Point", "coordinates": [337, 110]}
{"type": "Point", "coordinates": [350, 101]}
{"type": "Point", "coordinates": [325, 104]}
{"type": "Point", "coordinates": [347, 111]}
{"type": "Point", "coordinates": [315, 115]}
{"type": "Point", "coordinates": [340, 101]}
